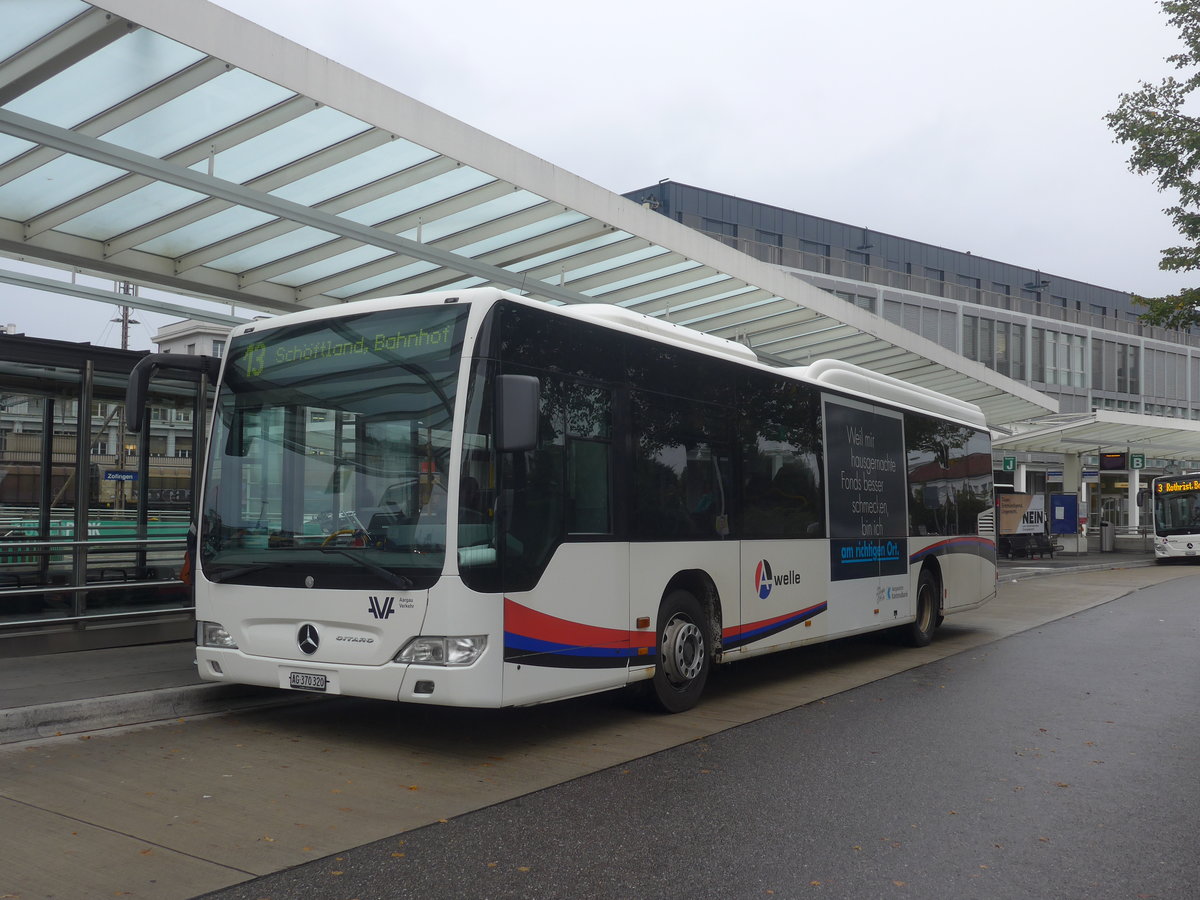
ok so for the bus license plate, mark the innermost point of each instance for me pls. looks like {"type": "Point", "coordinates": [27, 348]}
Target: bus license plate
{"type": "Point", "coordinates": [306, 681]}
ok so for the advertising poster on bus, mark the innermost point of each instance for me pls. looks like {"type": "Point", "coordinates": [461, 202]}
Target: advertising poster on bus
{"type": "Point", "coordinates": [868, 518]}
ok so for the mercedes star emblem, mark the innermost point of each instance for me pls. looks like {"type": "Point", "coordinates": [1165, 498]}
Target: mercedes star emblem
{"type": "Point", "coordinates": [308, 639]}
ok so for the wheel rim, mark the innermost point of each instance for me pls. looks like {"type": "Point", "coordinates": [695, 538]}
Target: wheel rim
{"type": "Point", "coordinates": [682, 651]}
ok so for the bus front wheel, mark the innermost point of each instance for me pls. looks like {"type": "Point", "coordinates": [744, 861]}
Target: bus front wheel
{"type": "Point", "coordinates": [684, 655]}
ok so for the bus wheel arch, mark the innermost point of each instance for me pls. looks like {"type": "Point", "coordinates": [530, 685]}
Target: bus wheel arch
{"type": "Point", "coordinates": [688, 630]}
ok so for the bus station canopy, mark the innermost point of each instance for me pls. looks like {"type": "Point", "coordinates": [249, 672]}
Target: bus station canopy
{"type": "Point", "coordinates": [1108, 431]}
{"type": "Point", "coordinates": [181, 148]}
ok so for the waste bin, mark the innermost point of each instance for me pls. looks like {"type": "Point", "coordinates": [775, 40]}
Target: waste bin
{"type": "Point", "coordinates": [1108, 537]}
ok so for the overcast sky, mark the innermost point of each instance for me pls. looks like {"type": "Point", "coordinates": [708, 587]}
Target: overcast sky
{"type": "Point", "coordinates": [976, 126]}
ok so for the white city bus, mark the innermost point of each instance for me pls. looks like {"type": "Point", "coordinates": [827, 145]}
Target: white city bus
{"type": "Point", "coordinates": [1176, 516]}
{"type": "Point", "coordinates": [475, 499]}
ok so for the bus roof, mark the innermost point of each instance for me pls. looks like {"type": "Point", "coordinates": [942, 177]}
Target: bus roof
{"type": "Point", "coordinates": [830, 373]}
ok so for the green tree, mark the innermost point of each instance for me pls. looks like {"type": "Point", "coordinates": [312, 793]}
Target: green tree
{"type": "Point", "coordinates": [1165, 143]}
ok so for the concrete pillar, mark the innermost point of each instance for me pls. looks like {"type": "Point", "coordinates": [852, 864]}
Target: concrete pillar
{"type": "Point", "coordinates": [1135, 512]}
{"type": "Point", "coordinates": [1019, 478]}
{"type": "Point", "coordinates": [1073, 484]}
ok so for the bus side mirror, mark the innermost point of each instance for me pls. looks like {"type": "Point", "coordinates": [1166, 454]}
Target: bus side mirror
{"type": "Point", "coordinates": [139, 380]}
{"type": "Point", "coordinates": [516, 412]}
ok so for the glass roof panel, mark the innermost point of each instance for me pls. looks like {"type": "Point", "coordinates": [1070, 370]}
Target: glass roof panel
{"type": "Point", "coordinates": [518, 235]}
{"type": "Point", "coordinates": [200, 112]}
{"type": "Point", "coordinates": [679, 289]}
{"type": "Point", "coordinates": [137, 208]}
{"type": "Point", "coordinates": [359, 256]}
{"type": "Point", "coordinates": [284, 144]}
{"type": "Point", "coordinates": [390, 158]}
{"type": "Point", "coordinates": [480, 213]}
{"type": "Point", "coordinates": [25, 23]}
{"type": "Point", "coordinates": [642, 278]}
{"type": "Point", "coordinates": [418, 196]}
{"type": "Point", "coordinates": [369, 284]}
{"type": "Point", "coordinates": [595, 243]}
{"type": "Point", "coordinates": [53, 184]}
{"type": "Point", "coordinates": [371, 166]}
{"type": "Point", "coordinates": [301, 239]}
{"type": "Point", "coordinates": [616, 262]}
{"type": "Point", "coordinates": [216, 227]}
{"type": "Point", "coordinates": [748, 289]}
{"type": "Point", "coordinates": [11, 147]}
{"type": "Point", "coordinates": [104, 79]}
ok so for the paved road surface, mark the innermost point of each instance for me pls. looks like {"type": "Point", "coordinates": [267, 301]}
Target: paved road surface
{"type": "Point", "coordinates": [196, 804]}
{"type": "Point", "coordinates": [1058, 763]}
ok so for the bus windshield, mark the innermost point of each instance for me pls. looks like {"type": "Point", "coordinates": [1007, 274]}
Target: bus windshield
{"type": "Point", "coordinates": [1177, 506]}
{"type": "Point", "coordinates": [330, 452]}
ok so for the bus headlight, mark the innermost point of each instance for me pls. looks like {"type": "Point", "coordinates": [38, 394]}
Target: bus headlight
{"type": "Point", "coordinates": [213, 634]}
{"type": "Point", "coordinates": [443, 651]}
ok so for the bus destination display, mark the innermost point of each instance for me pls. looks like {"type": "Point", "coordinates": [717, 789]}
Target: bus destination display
{"type": "Point", "coordinates": [304, 350]}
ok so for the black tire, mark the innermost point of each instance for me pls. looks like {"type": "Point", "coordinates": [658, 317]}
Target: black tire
{"type": "Point", "coordinates": [684, 653]}
{"type": "Point", "coordinates": [920, 632]}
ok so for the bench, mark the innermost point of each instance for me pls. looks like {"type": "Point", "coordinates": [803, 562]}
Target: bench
{"type": "Point", "coordinates": [1028, 545]}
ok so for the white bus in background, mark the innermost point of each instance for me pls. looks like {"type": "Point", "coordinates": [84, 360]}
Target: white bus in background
{"type": "Point", "coordinates": [1176, 516]}
{"type": "Point", "coordinates": [474, 499]}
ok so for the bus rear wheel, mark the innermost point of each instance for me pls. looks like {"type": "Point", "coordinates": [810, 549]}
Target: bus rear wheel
{"type": "Point", "coordinates": [684, 655]}
{"type": "Point", "coordinates": [920, 632]}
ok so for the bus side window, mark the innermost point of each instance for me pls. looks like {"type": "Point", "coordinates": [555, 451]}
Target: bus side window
{"type": "Point", "coordinates": [589, 459]}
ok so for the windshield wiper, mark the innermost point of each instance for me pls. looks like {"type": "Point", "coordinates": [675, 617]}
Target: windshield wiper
{"type": "Point", "coordinates": [401, 581]}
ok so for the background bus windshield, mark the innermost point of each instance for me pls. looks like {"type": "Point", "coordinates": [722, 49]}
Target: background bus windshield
{"type": "Point", "coordinates": [331, 449]}
{"type": "Point", "coordinates": [1177, 506]}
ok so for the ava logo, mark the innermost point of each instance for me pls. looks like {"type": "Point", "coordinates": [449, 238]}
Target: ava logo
{"type": "Point", "coordinates": [762, 579]}
{"type": "Point", "coordinates": [381, 610]}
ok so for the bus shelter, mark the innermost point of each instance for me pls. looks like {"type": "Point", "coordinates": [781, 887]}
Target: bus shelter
{"type": "Point", "coordinates": [93, 518]}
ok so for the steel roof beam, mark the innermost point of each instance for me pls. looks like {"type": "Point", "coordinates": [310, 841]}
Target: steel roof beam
{"type": "Point", "coordinates": [139, 104]}
{"type": "Point", "coordinates": [627, 270]}
{"type": "Point", "coordinates": [393, 226]}
{"type": "Point", "coordinates": [577, 233]}
{"type": "Point", "coordinates": [769, 317]}
{"type": "Point", "coordinates": [700, 312]}
{"type": "Point", "coordinates": [59, 50]}
{"type": "Point", "coordinates": [695, 299]}
{"type": "Point", "coordinates": [522, 219]}
{"type": "Point", "coordinates": [127, 184]}
{"type": "Point", "coordinates": [66, 251]}
{"type": "Point", "coordinates": [696, 272]}
{"type": "Point", "coordinates": [83, 292]}
{"type": "Point", "coordinates": [413, 175]}
{"type": "Point", "coordinates": [25, 128]}
{"type": "Point", "coordinates": [585, 258]}
{"type": "Point", "coordinates": [286, 174]}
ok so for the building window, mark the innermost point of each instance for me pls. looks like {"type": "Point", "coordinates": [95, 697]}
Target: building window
{"type": "Point", "coordinates": [768, 237]}
{"type": "Point", "coordinates": [716, 226]}
{"type": "Point", "coordinates": [970, 338]}
{"type": "Point", "coordinates": [218, 349]}
{"type": "Point", "coordinates": [191, 349]}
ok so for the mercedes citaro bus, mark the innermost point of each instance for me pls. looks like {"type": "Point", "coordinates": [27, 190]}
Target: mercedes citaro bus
{"type": "Point", "coordinates": [475, 499]}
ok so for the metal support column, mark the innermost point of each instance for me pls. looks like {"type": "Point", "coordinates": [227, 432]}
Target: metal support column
{"type": "Point", "coordinates": [83, 483]}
